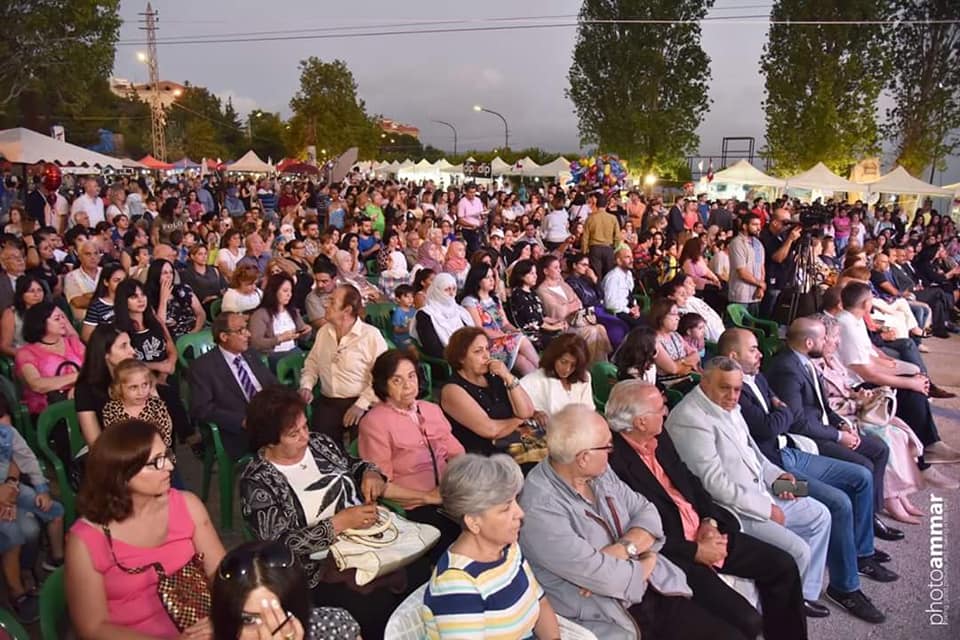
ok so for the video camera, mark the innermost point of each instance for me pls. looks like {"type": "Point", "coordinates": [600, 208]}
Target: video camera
{"type": "Point", "coordinates": [813, 215]}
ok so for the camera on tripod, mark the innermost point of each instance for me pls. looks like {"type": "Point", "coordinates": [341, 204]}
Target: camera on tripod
{"type": "Point", "coordinates": [812, 216]}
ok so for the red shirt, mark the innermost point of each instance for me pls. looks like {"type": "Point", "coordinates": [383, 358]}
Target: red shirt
{"type": "Point", "coordinates": [688, 515]}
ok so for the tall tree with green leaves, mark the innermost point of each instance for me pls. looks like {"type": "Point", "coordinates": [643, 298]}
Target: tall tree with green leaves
{"type": "Point", "coordinates": [823, 82]}
{"type": "Point", "coordinates": [925, 84]}
{"type": "Point", "coordinates": [640, 90]}
{"type": "Point", "coordinates": [328, 113]}
{"type": "Point", "coordinates": [51, 51]}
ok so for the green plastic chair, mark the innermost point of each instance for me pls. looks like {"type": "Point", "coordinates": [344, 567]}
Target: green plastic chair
{"type": "Point", "coordinates": [214, 454]}
{"type": "Point", "coordinates": [20, 415]}
{"type": "Point", "coordinates": [289, 368]}
{"type": "Point", "coordinates": [741, 318]}
{"type": "Point", "coordinates": [53, 606]}
{"type": "Point", "coordinates": [603, 375]}
{"type": "Point", "coordinates": [54, 415]}
{"type": "Point", "coordinates": [191, 346]}
{"type": "Point", "coordinates": [378, 314]}
{"type": "Point", "coordinates": [12, 626]}
{"type": "Point", "coordinates": [439, 363]}
{"type": "Point", "coordinates": [673, 397]}
{"type": "Point", "coordinates": [215, 308]}
{"type": "Point", "coordinates": [353, 449]}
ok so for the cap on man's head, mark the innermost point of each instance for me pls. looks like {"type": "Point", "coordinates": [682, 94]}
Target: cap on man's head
{"type": "Point", "coordinates": [496, 233]}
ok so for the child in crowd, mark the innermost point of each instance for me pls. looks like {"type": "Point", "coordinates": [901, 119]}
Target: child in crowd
{"type": "Point", "coordinates": [24, 501]}
{"type": "Point", "coordinates": [403, 315]}
{"type": "Point", "coordinates": [133, 395]}
{"type": "Point", "coordinates": [693, 328]}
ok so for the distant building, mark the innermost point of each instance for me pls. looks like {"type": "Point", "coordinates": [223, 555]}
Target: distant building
{"type": "Point", "coordinates": [392, 126]}
{"type": "Point", "coordinates": [169, 90]}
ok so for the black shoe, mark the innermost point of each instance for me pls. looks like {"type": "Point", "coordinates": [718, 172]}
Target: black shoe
{"type": "Point", "coordinates": [870, 568]}
{"type": "Point", "coordinates": [814, 609]}
{"type": "Point", "coordinates": [880, 556]}
{"type": "Point", "coordinates": [939, 392]}
{"type": "Point", "coordinates": [886, 532]}
{"type": "Point", "coordinates": [857, 605]}
{"type": "Point", "coordinates": [943, 334]}
{"type": "Point", "coordinates": [26, 608]}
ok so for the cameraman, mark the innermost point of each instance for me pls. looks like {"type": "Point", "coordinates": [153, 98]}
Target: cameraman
{"type": "Point", "coordinates": [779, 240]}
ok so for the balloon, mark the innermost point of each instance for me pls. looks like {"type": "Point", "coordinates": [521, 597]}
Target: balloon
{"type": "Point", "coordinates": [51, 177]}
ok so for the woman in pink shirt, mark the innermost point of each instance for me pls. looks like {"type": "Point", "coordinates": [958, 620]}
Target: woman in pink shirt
{"type": "Point", "coordinates": [410, 441]}
{"type": "Point", "coordinates": [132, 522]}
{"type": "Point", "coordinates": [51, 358]}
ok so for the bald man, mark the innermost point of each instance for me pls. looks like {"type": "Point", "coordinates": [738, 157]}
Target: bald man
{"type": "Point", "coordinates": [617, 288]}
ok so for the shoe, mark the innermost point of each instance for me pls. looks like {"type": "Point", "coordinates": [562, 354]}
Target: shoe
{"type": "Point", "coordinates": [27, 608]}
{"type": "Point", "coordinates": [857, 605]}
{"type": "Point", "coordinates": [933, 478]}
{"type": "Point", "coordinates": [886, 532]}
{"type": "Point", "coordinates": [940, 453]}
{"type": "Point", "coordinates": [814, 609]}
{"type": "Point", "coordinates": [953, 328]}
{"type": "Point", "coordinates": [943, 334]}
{"type": "Point", "coordinates": [940, 392]}
{"type": "Point", "coordinates": [880, 556]}
{"type": "Point", "coordinates": [52, 564]}
{"type": "Point", "coordinates": [922, 348]}
{"type": "Point", "coordinates": [894, 509]}
{"type": "Point", "coordinates": [870, 568]}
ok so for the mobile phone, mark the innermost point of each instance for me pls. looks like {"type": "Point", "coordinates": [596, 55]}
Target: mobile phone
{"type": "Point", "coordinates": [799, 488]}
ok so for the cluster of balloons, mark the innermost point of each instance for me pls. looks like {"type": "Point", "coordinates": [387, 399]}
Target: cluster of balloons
{"type": "Point", "coordinates": [603, 173]}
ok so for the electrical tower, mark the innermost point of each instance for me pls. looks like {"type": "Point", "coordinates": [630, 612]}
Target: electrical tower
{"type": "Point", "coordinates": [157, 117]}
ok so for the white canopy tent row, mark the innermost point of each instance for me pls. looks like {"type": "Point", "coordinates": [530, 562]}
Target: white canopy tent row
{"type": "Point", "coordinates": [900, 181]}
{"type": "Point", "coordinates": [27, 147]}
{"type": "Point", "coordinates": [250, 162]}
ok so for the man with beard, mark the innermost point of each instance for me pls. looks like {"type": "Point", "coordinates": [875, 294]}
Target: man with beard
{"type": "Point", "coordinates": [747, 273]}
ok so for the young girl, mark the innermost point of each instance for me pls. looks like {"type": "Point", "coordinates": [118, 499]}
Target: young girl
{"type": "Point", "coordinates": [133, 395]}
{"type": "Point", "coordinates": [693, 329]}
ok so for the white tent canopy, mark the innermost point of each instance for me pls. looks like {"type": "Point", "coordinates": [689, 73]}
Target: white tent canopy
{"type": "Point", "coordinates": [554, 168]}
{"type": "Point", "coordinates": [955, 188]}
{"type": "Point", "coordinates": [899, 181]}
{"type": "Point", "coordinates": [525, 167]}
{"type": "Point", "coordinates": [744, 173]}
{"type": "Point", "coordinates": [130, 163]}
{"type": "Point", "coordinates": [821, 178]}
{"type": "Point", "coordinates": [250, 162]}
{"type": "Point", "coordinates": [499, 167]}
{"type": "Point", "coordinates": [23, 146]}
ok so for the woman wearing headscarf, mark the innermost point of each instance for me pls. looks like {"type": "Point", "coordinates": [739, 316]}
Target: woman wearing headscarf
{"type": "Point", "coordinates": [456, 262]}
{"type": "Point", "coordinates": [440, 317]}
{"type": "Point", "coordinates": [428, 257]}
{"type": "Point", "coordinates": [348, 271]}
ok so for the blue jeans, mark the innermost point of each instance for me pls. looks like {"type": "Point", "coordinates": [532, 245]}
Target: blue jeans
{"type": "Point", "coordinates": [25, 526]}
{"type": "Point", "coordinates": [846, 489]}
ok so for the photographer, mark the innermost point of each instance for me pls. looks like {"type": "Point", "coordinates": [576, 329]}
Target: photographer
{"type": "Point", "coordinates": [779, 240]}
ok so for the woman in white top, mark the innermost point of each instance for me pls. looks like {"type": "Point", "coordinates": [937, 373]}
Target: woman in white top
{"type": "Point", "coordinates": [230, 253]}
{"type": "Point", "coordinates": [440, 317]}
{"type": "Point", "coordinates": [276, 325]}
{"type": "Point", "coordinates": [243, 295]}
{"type": "Point", "coordinates": [562, 378]}
{"type": "Point", "coordinates": [556, 225]}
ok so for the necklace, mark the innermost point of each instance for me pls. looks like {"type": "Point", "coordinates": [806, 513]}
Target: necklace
{"type": "Point", "coordinates": [50, 344]}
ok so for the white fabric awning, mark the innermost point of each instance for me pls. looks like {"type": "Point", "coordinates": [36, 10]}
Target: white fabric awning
{"type": "Point", "coordinates": [821, 178]}
{"type": "Point", "coordinates": [250, 162]}
{"type": "Point", "coordinates": [744, 173]}
{"type": "Point", "coordinates": [24, 146]}
{"type": "Point", "coordinates": [900, 181]}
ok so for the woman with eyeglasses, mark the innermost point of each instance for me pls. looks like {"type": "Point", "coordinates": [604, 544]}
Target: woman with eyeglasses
{"type": "Point", "coordinates": [132, 526]}
{"type": "Point", "coordinates": [259, 591]}
{"type": "Point", "coordinates": [675, 359]}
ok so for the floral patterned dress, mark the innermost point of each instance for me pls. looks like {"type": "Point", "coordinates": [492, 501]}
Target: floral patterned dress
{"type": "Point", "coordinates": [505, 347]}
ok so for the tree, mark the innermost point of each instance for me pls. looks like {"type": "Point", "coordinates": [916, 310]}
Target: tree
{"type": "Point", "coordinates": [822, 84]}
{"type": "Point", "coordinates": [199, 126]}
{"type": "Point", "coordinates": [328, 113]}
{"type": "Point", "coordinates": [267, 135]}
{"type": "Point", "coordinates": [51, 51]}
{"type": "Point", "coordinates": [925, 84]}
{"type": "Point", "coordinates": [399, 146]}
{"type": "Point", "coordinates": [640, 90]}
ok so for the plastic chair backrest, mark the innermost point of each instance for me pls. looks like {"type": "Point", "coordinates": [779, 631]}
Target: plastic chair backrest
{"type": "Point", "coordinates": [378, 314]}
{"type": "Point", "coordinates": [55, 414]}
{"type": "Point", "coordinates": [603, 375]}
{"type": "Point", "coordinates": [289, 368]}
{"type": "Point", "coordinates": [194, 344]}
{"type": "Point", "coordinates": [53, 606]}
{"type": "Point", "coordinates": [20, 417]}
{"type": "Point", "coordinates": [12, 627]}
{"type": "Point", "coordinates": [215, 307]}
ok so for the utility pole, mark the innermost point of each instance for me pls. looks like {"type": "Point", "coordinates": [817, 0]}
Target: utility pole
{"type": "Point", "coordinates": [157, 117]}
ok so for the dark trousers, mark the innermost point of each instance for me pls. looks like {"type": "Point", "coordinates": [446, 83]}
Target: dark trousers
{"type": "Point", "coordinates": [776, 577]}
{"type": "Point", "coordinates": [601, 259]}
{"type": "Point", "coordinates": [472, 238]}
{"type": "Point", "coordinates": [328, 418]}
{"type": "Point", "coordinates": [872, 453]}
{"type": "Point", "coordinates": [663, 617]}
{"type": "Point", "coordinates": [914, 409]}
{"type": "Point", "coordinates": [170, 394]}
{"type": "Point", "coordinates": [940, 304]}
{"type": "Point", "coordinates": [905, 349]}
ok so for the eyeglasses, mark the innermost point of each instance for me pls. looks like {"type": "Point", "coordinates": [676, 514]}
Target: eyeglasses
{"type": "Point", "coordinates": [240, 561]}
{"type": "Point", "coordinates": [607, 447]}
{"type": "Point", "coordinates": [160, 461]}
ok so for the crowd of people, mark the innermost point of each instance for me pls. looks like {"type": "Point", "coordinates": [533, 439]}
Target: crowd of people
{"type": "Point", "coordinates": [725, 477]}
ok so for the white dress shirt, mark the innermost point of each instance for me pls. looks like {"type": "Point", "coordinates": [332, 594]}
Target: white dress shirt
{"type": "Point", "coordinates": [617, 290]}
{"type": "Point", "coordinates": [344, 367]}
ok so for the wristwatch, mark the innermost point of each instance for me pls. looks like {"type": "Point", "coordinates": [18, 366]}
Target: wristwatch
{"type": "Point", "coordinates": [631, 548]}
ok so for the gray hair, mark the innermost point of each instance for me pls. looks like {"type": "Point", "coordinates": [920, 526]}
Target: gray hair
{"type": "Point", "coordinates": [723, 363]}
{"type": "Point", "coordinates": [473, 483]}
{"type": "Point", "coordinates": [568, 433]}
{"type": "Point", "coordinates": [829, 322]}
{"type": "Point", "coordinates": [626, 403]}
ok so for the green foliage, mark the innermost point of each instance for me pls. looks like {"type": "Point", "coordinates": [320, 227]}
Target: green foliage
{"type": "Point", "coordinates": [925, 84]}
{"type": "Point", "coordinates": [267, 135]}
{"type": "Point", "coordinates": [398, 147]}
{"type": "Point", "coordinates": [328, 113]}
{"type": "Point", "coordinates": [199, 125]}
{"type": "Point", "coordinates": [640, 90]}
{"type": "Point", "coordinates": [822, 84]}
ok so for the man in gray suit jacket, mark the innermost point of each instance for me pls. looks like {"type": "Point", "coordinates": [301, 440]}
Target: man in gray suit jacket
{"type": "Point", "coordinates": [713, 440]}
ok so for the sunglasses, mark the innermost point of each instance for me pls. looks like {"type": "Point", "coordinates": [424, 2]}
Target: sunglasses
{"type": "Point", "coordinates": [239, 562]}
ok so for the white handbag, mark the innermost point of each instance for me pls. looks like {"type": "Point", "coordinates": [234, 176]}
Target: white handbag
{"type": "Point", "coordinates": [390, 543]}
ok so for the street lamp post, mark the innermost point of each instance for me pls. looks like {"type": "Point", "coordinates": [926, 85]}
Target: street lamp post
{"type": "Point", "coordinates": [506, 128]}
{"type": "Point", "coordinates": [454, 129]}
{"type": "Point", "coordinates": [257, 113]}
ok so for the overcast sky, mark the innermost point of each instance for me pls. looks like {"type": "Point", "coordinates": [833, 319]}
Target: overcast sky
{"type": "Point", "coordinates": [418, 78]}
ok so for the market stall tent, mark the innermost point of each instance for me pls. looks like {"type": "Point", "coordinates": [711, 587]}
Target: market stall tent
{"type": "Point", "coordinates": [555, 168]}
{"type": "Point", "coordinates": [250, 162]}
{"type": "Point", "coordinates": [499, 167]}
{"type": "Point", "coordinates": [153, 163]}
{"type": "Point", "coordinates": [744, 173]}
{"type": "Point", "coordinates": [899, 181]}
{"type": "Point", "coordinates": [24, 146]}
{"type": "Point", "coordinates": [819, 177]}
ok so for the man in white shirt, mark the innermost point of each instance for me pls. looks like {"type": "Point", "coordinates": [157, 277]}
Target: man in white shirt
{"type": "Point", "coordinates": [617, 288]}
{"type": "Point", "coordinates": [470, 217]}
{"type": "Point", "coordinates": [90, 203]}
{"type": "Point", "coordinates": [341, 360]}
{"type": "Point", "coordinates": [79, 284]}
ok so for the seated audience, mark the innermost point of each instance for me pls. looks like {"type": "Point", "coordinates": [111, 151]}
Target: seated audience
{"type": "Point", "coordinates": [106, 349]}
{"type": "Point", "coordinates": [635, 358]}
{"type": "Point", "coordinates": [259, 589]}
{"type": "Point", "coordinates": [243, 295]}
{"type": "Point", "coordinates": [133, 396]}
{"type": "Point", "coordinates": [175, 304]}
{"type": "Point", "coordinates": [341, 360]}
{"type": "Point", "coordinates": [562, 378]}
{"type": "Point", "coordinates": [693, 329]}
{"type": "Point", "coordinates": [482, 586]}
{"type": "Point", "coordinates": [80, 284]}
{"type": "Point", "coordinates": [223, 380]}
{"type": "Point", "coordinates": [101, 309]}
{"type": "Point", "coordinates": [28, 293]}
{"type": "Point", "coordinates": [276, 325]}
{"type": "Point", "coordinates": [561, 304]}
{"type": "Point", "coordinates": [675, 359]}
{"type": "Point", "coordinates": [325, 281]}
{"type": "Point", "coordinates": [131, 522]}
{"type": "Point", "coordinates": [204, 279]}
{"type": "Point", "coordinates": [526, 310]}
{"type": "Point", "coordinates": [702, 537]}
{"type": "Point", "coordinates": [50, 359]}
{"type": "Point", "coordinates": [681, 290]}
{"type": "Point", "coordinates": [618, 288]}
{"type": "Point", "coordinates": [410, 441]}
{"type": "Point", "coordinates": [230, 253]}
{"type": "Point", "coordinates": [440, 317]}
{"type": "Point", "coordinates": [302, 490]}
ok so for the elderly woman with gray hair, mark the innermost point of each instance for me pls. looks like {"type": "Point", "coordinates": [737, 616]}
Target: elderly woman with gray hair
{"type": "Point", "coordinates": [596, 545]}
{"type": "Point", "coordinates": [482, 583]}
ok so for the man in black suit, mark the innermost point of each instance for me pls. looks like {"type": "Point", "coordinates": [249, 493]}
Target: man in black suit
{"type": "Point", "coordinates": [223, 380]}
{"type": "Point", "coordinates": [906, 280]}
{"type": "Point", "coordinates": [702, 537]}
{"type": "Point", "coordinates": [675, 218]}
